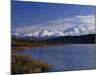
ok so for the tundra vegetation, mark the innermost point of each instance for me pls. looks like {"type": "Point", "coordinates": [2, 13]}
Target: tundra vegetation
{"type": "Point", "coordinates": [22, 64]}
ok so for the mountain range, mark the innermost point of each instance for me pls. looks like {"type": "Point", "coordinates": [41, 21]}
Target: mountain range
{"type": "Point", "coordinates": [72, 35]}
{"type": "Point", "coordinates": [74, 31]}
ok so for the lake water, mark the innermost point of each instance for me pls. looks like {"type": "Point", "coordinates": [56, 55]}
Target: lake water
{"type": "Point", "coordinates": [66, 57]}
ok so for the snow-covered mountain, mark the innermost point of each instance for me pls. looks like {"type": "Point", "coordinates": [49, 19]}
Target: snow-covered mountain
{"type": "Point", "coordinates": [44, 34]}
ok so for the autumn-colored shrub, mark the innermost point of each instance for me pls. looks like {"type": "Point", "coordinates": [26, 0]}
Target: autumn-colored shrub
{"type": "Point", "coordinates": [22, 64]}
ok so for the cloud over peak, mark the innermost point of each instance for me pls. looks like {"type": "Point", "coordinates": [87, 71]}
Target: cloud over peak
{"type": "Point", "coordinates": [62, 24]}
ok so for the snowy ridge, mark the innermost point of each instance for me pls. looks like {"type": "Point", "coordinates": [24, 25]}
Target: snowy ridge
{"type": "Point", "coordinates": [74, 31]}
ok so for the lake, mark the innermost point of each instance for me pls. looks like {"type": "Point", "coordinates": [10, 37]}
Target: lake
{"type": "Point", "coordinates": [66, 57]}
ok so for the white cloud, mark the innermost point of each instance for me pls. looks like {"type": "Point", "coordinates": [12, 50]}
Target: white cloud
{"type": "Point", "coordinates": [62, 24]}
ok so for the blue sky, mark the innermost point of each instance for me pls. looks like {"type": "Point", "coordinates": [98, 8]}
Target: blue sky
{"type": "Point", "coordinates": [36, 15]}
